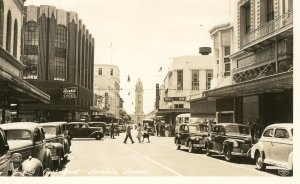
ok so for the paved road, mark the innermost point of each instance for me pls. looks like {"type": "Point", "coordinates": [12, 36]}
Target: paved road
{"type": "Point", "coordinates": [111, 157]}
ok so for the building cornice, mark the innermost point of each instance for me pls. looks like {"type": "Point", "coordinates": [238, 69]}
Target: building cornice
{"type": "Point", "coordinates": [220, 27]}
{"type": "Point", "coordinates": [11, 59]}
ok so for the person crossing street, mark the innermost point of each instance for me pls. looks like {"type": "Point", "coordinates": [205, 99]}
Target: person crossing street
{"type": "Point", "coordinates": [128, 134]}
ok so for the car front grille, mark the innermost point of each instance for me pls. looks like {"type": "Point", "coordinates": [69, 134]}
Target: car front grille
{"type": "Point", "coordinates": [53, 152]}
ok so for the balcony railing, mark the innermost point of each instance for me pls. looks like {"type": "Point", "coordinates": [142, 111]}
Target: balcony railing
{"type": "Point", "coordinates": [269, 29]}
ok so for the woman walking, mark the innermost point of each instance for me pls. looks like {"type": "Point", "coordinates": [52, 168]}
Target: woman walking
{"type": "Point", "coordinates": [139, 132]}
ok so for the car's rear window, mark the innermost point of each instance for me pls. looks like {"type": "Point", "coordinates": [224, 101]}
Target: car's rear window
{"type": "Point", "coordinates": [194, 128]}
{"type": "Point", "coordinates": [18, 135]}
{"type": "Point", "coordinates": [237, 129]}
{"type": "Point", "coordinates": [50, 130]}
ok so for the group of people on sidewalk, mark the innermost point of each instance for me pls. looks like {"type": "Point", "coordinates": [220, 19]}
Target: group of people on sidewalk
{"type": "Point", "coordinates": [141, 133]}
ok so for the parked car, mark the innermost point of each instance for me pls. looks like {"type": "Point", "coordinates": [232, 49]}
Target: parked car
{"type": "Point", "coordinates": [27, 141]}
{"type": "Point", "coordinates": [229, 139]}
{"type": "Point", "coordinates": [191, 135]}
{"type": "Point", "coordinates": [6, 167]}
{"type": "Point", "coordinates": [83, 130]}
{"type": "Point", "coordinates": [98, 124]}
{"type": "Point", "coordinates": [56, 142]}
{"type": "Point", "coordinates": [64, 126]}
{"type": "Point", "coordinates": [275, 147]}
{"type": "Point", "coordinates": [122, 128]}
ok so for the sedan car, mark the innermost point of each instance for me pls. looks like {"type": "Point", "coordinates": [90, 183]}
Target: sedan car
{"type": "Point", "coordinates": [27, 140]}
{"type": "Point", "coordinates": [275, 147]}
{"type": "Point", "coordinates": [6, 168]}
{"type": "Point", "coordinates": [83, 130]}
{"type": "Point", "coordinates": [191, 135]}
{"type": "Point", "coordinates": [56, 142]}
{"type": "Point", "coordinates": [229, 139]}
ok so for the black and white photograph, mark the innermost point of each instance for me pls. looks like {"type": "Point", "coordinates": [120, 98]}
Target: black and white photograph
{"type": "Point", "coordinates": [163, 91]}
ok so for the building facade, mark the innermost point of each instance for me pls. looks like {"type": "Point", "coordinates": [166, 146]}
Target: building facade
{"type": "Point", "coordinates": [58, 52]}
{"type": "Point", "coordinates": [261, 88]}
{"type": "Point", "coordinates": [139, 102]}
{"type": "Point", "coordinates": [14, 91]}
{"type": "Point", "coordinates": [107, 90]}
{"type": "Point", "coordinates": [187, 78]}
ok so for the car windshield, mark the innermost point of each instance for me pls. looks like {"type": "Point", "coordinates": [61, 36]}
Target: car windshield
{"type": "Point", "coordinates": [237, 129]}
{"type": "Point", "coordinates": [49, 130]}
{"type": "Point", "coordinates": [194, 128]}
{"type": "Point", "coordinates": [18, 135]}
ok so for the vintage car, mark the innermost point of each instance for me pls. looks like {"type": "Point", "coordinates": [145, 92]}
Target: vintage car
{"type": "Point", "coordinates": [98, 124]}
{"type": "Point", "coordinates": [56, 142]}
{"type": "Point", "coordinates": [191, 135]}
{"type": "Point", "coordinates": [275, 147]}
{"type": "Point", "coordinates": [27, 144]}
{"type": "Point", "coordinates": [229, 139]}
{"type": "Point", "coordinates": [64, 127]}
{"type": "Point", "coordinates": [6, 167]}
{"type": "Point", "coordinates": [83, 130]}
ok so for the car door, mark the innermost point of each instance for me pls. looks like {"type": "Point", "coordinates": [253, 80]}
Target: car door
{"type": "Point", "coordinates": [39, 146]}
{"type": "Point", "coordinates": [281, 146]}
{"type": "Point", "coordinates": [85, 131]}
{"type": "Point", "coordinates": [266, 140]}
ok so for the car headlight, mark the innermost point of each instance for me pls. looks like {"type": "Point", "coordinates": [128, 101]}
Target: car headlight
{"type": "Point", "coordinates": [235, 144]}
{"type": "Point", "coordinates": [16, 158]}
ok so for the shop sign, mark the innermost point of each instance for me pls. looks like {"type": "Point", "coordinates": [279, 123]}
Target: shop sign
{"type": "Point", "coordinates": [70, 92]}
{"type": "Point", "coordinates": [171, 99]}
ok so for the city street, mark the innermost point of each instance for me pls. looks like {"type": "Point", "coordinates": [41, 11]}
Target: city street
{"type": "Point", "coordinates": [111, 157]}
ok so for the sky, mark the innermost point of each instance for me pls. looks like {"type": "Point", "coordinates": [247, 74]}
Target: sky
{"type": "Point", "coordinates": [145, 35]}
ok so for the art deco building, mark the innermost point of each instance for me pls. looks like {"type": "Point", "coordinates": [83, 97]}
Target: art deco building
{"type": "Point", "coordinates": [14, 91]}
{"type": "Point", "coordinates": [58, 51]}
{"type": "Point", "coordinates": [139, 97]}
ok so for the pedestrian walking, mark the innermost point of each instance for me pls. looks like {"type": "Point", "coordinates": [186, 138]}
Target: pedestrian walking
{"type": "Point", "coordinates": [146, 134]}
{"type": "Point", "coordinates": [128, 134]}
{"type": "Point", "coordinates": [139, 132]}
{"type": "Point", "coordinates": [112, 131]}
{"type": "Point", "coordinates": [157, 129]}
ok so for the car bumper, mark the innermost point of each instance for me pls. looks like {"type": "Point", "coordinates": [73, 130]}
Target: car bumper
{"type": "Point", "coordinates": [241, 152]}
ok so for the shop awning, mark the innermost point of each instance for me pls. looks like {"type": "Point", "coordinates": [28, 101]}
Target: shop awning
{"type": "Point", "coordinates": [17, 90]}
{"type": "Point", "coordinates": [274, 83]}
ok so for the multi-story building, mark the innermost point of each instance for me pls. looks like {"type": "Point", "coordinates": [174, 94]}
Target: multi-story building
{"type": "Point", "coordinates": [188, 76]}
{"type": "Point", "coordinates": [14, 91]}
{"type": "Point", "coordinates": [261, 88]}
{"type": "Point", "coordinates": [139, 102]}
{"type": "Point", "coordinates": [58, 51]}
{"type": "Point", "coordinates": [107, 90]}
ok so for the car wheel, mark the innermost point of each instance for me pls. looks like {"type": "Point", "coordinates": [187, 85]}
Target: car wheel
{"type": "Point", "coordinates": [98, 137]}
{"type": "Point", "coordinates": [48, 165]}
{"type": "Point", "coordinates": [191, 148]}
{"type": "Point", "coordinates": [260, 165]}
{"type": "Point", "coordinates": [178, 144]}
{"type": "Point", "coordinates": [228, 156]}
{"type": "Point", "coordinates": [207, 150]}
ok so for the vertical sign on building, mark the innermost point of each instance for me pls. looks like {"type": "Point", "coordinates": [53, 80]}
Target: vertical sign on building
{"type": "Point", "coordinates": [157, 97]}
{"type": "Point", "coordinates": [106, 100]}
